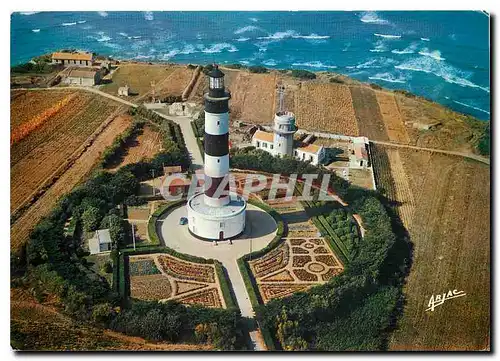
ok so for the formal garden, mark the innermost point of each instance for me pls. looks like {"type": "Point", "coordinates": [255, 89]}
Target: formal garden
{"type": "Point", "coordinates": [318, 285]}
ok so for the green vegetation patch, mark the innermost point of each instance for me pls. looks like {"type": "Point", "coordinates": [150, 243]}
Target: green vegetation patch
{"type": "Point", "coordinates": [143, 267]}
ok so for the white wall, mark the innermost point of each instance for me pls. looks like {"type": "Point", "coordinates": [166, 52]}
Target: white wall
{"type": "Point", "coordinates": [216, 124]}
{"type": "Point", "coordinates": [210, 228]}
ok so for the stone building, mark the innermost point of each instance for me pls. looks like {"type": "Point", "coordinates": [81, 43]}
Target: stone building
{"type": "Point", "coordinates": [80, 59]}
{"type": "Point", "coordinates": [83, 77]}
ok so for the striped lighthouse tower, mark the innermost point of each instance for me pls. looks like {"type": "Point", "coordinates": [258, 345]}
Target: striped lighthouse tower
{"type": "Point", "coordinates": [216, 140]}
{"type": "Point", "coordinates": [215, 213]}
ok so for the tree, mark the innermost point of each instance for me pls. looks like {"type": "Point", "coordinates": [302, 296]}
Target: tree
{"type": "Point", "coordinates": [116, 227]}
{"type": "Point", "coordinates": [91, 217]}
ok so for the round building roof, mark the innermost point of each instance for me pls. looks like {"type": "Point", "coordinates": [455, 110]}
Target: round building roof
{"type": "Point", "coordinates": [215, 72]}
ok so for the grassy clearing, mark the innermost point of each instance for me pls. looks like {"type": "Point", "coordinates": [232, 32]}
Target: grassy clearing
{"type": "Point", "coordinates": [138, 77]}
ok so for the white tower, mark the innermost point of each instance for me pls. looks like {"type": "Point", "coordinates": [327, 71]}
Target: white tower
{"type": "Point", "coordinates": [284, 128]}
{"type": "Point", "coordinates": [216, 214]}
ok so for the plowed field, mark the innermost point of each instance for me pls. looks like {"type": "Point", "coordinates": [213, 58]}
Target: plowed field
{"type": "Point", "coordinates": [36, 158]}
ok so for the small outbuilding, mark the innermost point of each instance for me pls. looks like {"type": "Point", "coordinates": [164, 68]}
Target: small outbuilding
{"type": "Point", "coordinates": [123, 91]}
{"type": "Point", "coordinates": [310, 153]}
{"type": "Point", "coordinates": [101, 242]}
{"type": "Point", "coordinates": [358, 153]}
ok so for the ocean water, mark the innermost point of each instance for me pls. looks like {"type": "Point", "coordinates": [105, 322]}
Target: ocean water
{"type": "Point", "coordinates": [443, 56]}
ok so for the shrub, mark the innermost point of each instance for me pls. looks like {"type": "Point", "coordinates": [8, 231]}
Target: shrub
{"type": "Point", "coordinates": [336, 80]}
{"type": "Point", "coordinates": [257, 69]}
{"type": "Point", "coordinates": [235, 66]}
{"type": "Point", "coordinates": [303, 74]}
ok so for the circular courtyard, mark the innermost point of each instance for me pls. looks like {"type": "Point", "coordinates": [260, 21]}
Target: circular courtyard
{"type": "Point", "coordinates": [259, 231]}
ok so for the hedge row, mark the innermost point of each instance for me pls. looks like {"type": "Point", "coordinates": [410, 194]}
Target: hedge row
{"type": "Point", "coordinates": [328, 228]}
{"type": "Point", "coordinates": [116, 271]}
{"type": "Point", "coordinates": [336, 244]}
{"type": "Point", "coordinates": [248, 279]}
{"type": "Point", "coordinates": [120, 142]}
{"type": "Point", "coordinates": [122, 284]}
{"type": "Point", "coordinates": [328, 236]}
{"type": "Point", "coordinates": [225, 286]}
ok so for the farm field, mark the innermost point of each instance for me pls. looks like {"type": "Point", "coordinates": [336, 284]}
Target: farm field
{"type": "Point", "coordinates": [253, 97]}
{"type": "Point", "coordinates": [41, 326]}
{"type": "Point", "coordinates": [394, 125]}
{"type": "Point", "coordinates": [145, 146]}
{"type": "Point", "coordinates": [454, 131]}
{"type": "Point", "coordinates": [164, 277]}
{"type": "Point", "coordinates": [67, 181]}
{"type": "Point", "coordinates": [449, 227]}
{"type": "Point", "coordinates": [138, 77]}
{"type": "Point", "coordinates": [367, 112]}
{"type": "Point", "coordinates": [295, 265]}
{"type": "Point", "coordinates": [25, 104]}
{"type": "Point", "coordinates": [52, 145]}
{"type": "Point", "coordinates": [175, 83]}
{"type": "Point", "coordinates": [325, 107]}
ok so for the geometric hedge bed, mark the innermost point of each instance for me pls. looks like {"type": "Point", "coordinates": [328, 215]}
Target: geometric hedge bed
{"type": "Point", "coordinates": [162, 277]}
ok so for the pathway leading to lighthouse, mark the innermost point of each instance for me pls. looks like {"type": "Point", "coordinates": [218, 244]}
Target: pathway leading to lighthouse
{"type": "Point", "coordinates": [259, 232]}
{"type": "Point", "coordinates": [189, 138]}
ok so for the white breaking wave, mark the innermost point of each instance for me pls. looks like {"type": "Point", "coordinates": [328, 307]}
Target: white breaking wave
{"type": "Point", "coordinates": [103, 13]}
{"type": "Point", "coordinates": [218, 48]}
{"type": "Point", "coordinates": [136, 37]}
{"type": "Point", "coordinates": [269, 62]}
{"type": "Point", "coordinates": [188, 49]}
{"type": "Point", "coordinates": [373, 64]}
{"type": "Point", "coordinates": [386, 36]}
{"type": "Point", "coordinates": [388, 78]}
{"type": "Point", "coordinates": [103, 39]}
{"type": "Point", "coordinates": [246, 28]}
{"type": "Point", "coordinates": [28, 13]}
{"type": "Point", "coordinates": [148, 15]}
{"type": "Point", "coordinates": [408, 50]}
{"type": "Point", "coordinates": [472, 107]}
{"type": "Point", "coordinates": [35, 30]}
{"type": "Point", "coordinates": [440, 69]}
{"type": "Point", "coordinates": [140, 56]}
{"type": "Point", "coordinates": [435, 54]}
{"type": "Point", "coordinates": [280, 35]}
{"type": "Point", "coordinates": [124, 34]}
{"type": "Point", "coordinates": [242, 39]}
{"type": "Point", "coordinates": [253, 19]}
{"type": "Point", "coordinates": [380, 47]}
{"type": "Point", "coordinates": [81, 21]}
{"type": "Point", "coordinates": [425, 39]}
{"type": "Point", "coordinates": [68, 24]}
{"type": "Point", "coordinates": [315, 64]}
{"type": "Point", "coordinates": [371, 17]}
{"type": "Point", "coordinates": [170, 54]}
{"type": "Point", "coordinates": [311, 36]}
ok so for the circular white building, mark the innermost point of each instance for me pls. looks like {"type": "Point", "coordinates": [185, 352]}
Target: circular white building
{"type": "Point", "coordinates": [216, 214]}
{"type": "Point", "coordinates": [284, 128]}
